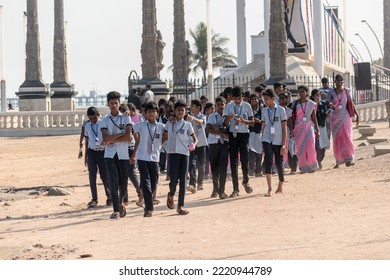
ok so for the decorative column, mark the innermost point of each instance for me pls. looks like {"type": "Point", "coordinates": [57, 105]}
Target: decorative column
{"type": "Point", "coordinates": [63, 97]}
{"type": "Point", "coordinates": [2, 75]}
{"type": "Point", "coordinates": [34, 94]}
{"type": "Point", "coordinates": [180, 60]}
{"type": "Point", "coordinates": [278, 45]}
{"type": "Point", "coordinates": [319, 37]}
{"type": "Point", "coordinates": [267, 15]}
{"type": "Point", "coordinates": [152, 52]}
{"type": "Point", "coordinates": [241, 33]}
{"type": "Point", "coordinates": [386, 35]}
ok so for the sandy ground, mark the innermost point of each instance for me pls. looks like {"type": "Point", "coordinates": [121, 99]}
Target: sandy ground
{"type": "Point", "coordinates": [331, 214]}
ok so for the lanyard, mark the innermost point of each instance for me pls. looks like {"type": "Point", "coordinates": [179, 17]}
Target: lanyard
{"type": "Point", "coordinates": [97, 130]}
{"type": "Point", "coordinates": [340, 99]}
{"type": "Point", "coordinates": [303, 109]}
{"type": "Point", "coordinates": [115, 122]}
{"type": "Point", "coordinates": [235, 107]}
{"type": "Point", "coordinates": [216, 119]}
{"type": "Point", "coordinates": [151, 125]}
{"type": "Point", "coordinates": [173, 125]}
{"type": "Point", "coordinates": [269, 116]}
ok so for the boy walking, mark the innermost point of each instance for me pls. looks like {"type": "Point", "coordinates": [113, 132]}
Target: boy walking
{"type": "Point", "coordinates": [198, 156]}
{"type": "Point", "coordinates": [180, 134]}
{"type": "Point", "coordinates": [219, 148]}
{"type": "Point", "coordinates": [94, 156]}
{"type": "Point", "coordinates": [116, 132]}
{"type": "Point", "coordinates": [239, 116]}
{"type": "Point", "coordinates": [149, 137]}
{"type": "Point", "coordinates": [274, 133]}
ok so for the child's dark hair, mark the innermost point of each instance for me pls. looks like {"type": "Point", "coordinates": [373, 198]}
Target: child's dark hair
{"type": "Point", "coordinates": [113, 95]}
{"type": "Point", "coordinates": [131, 107]}
{"type": "Point", "coordinates": [227, 92]}
{"type": "Point", "coordinates": [208, 106]}
{"type": "Point", "coordinates": [93, 111]}
{"type": "Point", "coordinates": [151, 106]}
{"type": "Point", "coordinates": [247, 94]}
{"type": "Point", "coordinates": [237, 91]}
{"type": "Point", "coordinates": [123, 108]}
{"type": "Point", "coordinates": [259, 89]}
{"type": "Point", "coordinates": [179, 103]}
{"type": "Point", "coordinates": [269, 92]}
{"type": "Point", "coordinates": [283, 95]}
{"type": "Point", "coordinates": [197, 103]}
{"type": "Point", "coordinates": [220, 99]}
{"type": "Point", "coordinates": [203, 97]}
{"type": "Point", "coordinates": [313, 93]}
{"type": "Point", "coordinates": [161, 102]}
{"type": "Point", "coordinates": [143, 105]}
{"type": "Point", "coordinates": [305, 88]}
{"type": "Point", "coordinates": [253, 96]}
{"type": "Point", "coordinates": [276, 85]}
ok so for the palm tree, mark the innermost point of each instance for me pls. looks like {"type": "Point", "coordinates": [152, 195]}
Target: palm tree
{"type": "Point", "coordinates": [221, 55]}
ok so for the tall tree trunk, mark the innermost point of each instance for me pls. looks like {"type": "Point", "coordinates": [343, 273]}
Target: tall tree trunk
{"type": "Point", "coordinates": [277, 40]}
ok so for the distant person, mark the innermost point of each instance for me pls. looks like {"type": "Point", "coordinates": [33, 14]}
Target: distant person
{"type": "Point", "coordinates": [239, 116]}
{"type": "Point", "coordinates": [116, 132]}
{"type": "Point", "coordinates": [134, 115]}
{"type": "Point", "coordinates": [148, 94]}
{"type": "Point", "coordinates": [324, 90]}
{"type": "Point", "coordinates": [10, 107]}
{"type": "Point", "coordinates": [150, 136]}
{"type": "Point", "coordinates": [274, 135]}
{"type": "Point", "coordinates": [135, 99]}
{"type": "Point", "coordinates": [81, 140]}
{"type": "Point", "coordinates": [219, 148]}
{"type": "Point", "coordinates": [255, 147]}
{"type": "Point", "coordinates": [278, 88]}
{"type": "Point", "coordinates": [341, 123]}
{"type": "Point", "coordinates": [203, 100]}
{"type": "Point", "coordinates": [180, 135]}
{"type": "Point", "coordinates": [94, 156]}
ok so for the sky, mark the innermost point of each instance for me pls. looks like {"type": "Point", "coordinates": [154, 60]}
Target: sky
{"type": "Point", "coordinates": [104, 37]}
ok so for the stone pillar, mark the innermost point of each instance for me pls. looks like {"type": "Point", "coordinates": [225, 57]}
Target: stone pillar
{"type": "Point", "coordinates": [34, 94]}
{"type": "Point", "coordinates": [2, 75]}
{"type": "Point", "coordinates": [241, 33]}
{"type": "Point", "coordinates": [386, 34]}
{"type": "Point", "coordinates": [180, 61]}
{"type": "Point", "coordinates": [151, 52]}
{"type": "Point", "coordinates": [63, 97]}
{"type": "Point", "coordinates": [267, 15]}
{"type": "Point", "coordinates": [277, 40]}
{"type": "Point", "coordinates": [319, 37]}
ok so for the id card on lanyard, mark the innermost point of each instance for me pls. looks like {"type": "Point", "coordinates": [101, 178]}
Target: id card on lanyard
{"type": "Point", "coordinates": [273, 131]}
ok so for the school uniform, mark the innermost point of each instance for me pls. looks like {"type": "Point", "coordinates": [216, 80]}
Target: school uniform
{"type": "Point", "coordinates": [255, 148]}
{"type": "Point", "coordinates": [179, 137]}
{"type": "Point", "coordinates": [95, 158]}
{"type": "Point", "coordinates": [219, 152]}
{"type": "Point", "coordinates": [239, 140]}
{"type": "Point", "coordinates": [198, 156]}
{"type": "Point", "coordinates": [148, 157]}
{"type": "Point", "coordinates": [116, 156]}
{"type": "Point", "coordinates": [131, 173]}
{"type": "Point", "coordinates": [272, 138]}
{"type": "Point", "coordinates": [292, 154]}
{"type": "Point", "coordinates": [163, 155]}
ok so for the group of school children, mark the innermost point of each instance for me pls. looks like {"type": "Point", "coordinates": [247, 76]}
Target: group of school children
{"type": "Point", "coordinates": [185, 143]}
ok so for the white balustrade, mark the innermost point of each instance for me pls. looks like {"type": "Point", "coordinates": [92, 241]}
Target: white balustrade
{"type": "Point", "coordinates": [372, 111]}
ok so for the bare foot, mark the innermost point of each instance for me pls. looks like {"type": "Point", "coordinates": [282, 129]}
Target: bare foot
{"type": "Point", "coordinates": [280, 188]}
{"type": "Point", "coordinates": [269, 193]}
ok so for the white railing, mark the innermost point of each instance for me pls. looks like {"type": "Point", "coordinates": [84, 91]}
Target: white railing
{"type": "Point", "coordinates": [373, 111]}
{"type": "Point", "coordinates": [42, 123]}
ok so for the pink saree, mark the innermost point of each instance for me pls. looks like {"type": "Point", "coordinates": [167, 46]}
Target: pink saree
{"type": "Point", "coordinates": [305, 138]}
{"type": "Point", "coordinates": [341, 126]}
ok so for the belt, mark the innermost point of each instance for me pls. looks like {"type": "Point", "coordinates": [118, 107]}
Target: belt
{"type": "Point", "coordinates": [96, 150]}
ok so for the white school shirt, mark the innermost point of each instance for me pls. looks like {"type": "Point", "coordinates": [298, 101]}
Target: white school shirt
{"type": "Point", "coordinates": [215, 119]}
{"type": "Point", "coordinates": [183, 132]}
{"type": "Point", "coordinates": [148, 130]}
{"type": "Point", "coordinates": [148, 96]}
{"type": "Point", "coordinates": [116, 125]}
{"type": "Point", "coordinates": [94, 134]}
{"type": "Point", "coordinates": [273, 118]}
{"type": "Point", "coordinates": [243, 110]}
{"type": "Point", "coordinates": [200, 130]}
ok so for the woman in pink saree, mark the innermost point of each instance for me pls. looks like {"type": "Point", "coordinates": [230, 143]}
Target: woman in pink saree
{"type": "Point", "coordinates": [305, 131]}
{"type": "Point", "coordinates": [341, 124]}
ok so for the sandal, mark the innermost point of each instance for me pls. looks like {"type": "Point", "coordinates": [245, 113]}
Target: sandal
{"type": "Point", "coordinates": [139, 203]}
{"type": "Point", "coordinates": [182, 212]}
{"type": "Point", "coordinates": [170, 202]}
{"type": "Point", "coordinates": [122, 211]}
{"type": "Point", "coordinates": [156, 202]}
{"type": "Point", "coordinates": [234, 194]}
{"type": "Point", "coordinates": [114, 215]}
{"type": "Point", "coordinates": [148, 214]}
{"type": "Point", "coordinates": [108, 201]}
{"type": "Point", "coordinates": [92, 203]}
